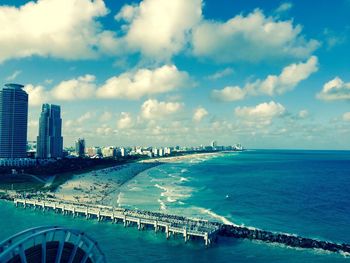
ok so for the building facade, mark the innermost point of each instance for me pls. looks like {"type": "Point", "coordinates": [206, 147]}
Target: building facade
{"type": "Point", "coordinates": [50, 140]}
{"type": "Point", "coordinates": [13, 121]}
{"type": "Point", "coordinates": [109, 152]}
{"type": "Point", "coordinates": [80, 147]}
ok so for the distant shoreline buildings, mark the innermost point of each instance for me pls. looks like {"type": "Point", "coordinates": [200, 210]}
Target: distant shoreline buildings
{"type": "Point", "coordinates": [49, 144]}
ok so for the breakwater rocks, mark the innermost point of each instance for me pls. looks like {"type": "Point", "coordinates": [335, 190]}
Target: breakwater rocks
{"type": "Point", "coordinates": [281, 238]}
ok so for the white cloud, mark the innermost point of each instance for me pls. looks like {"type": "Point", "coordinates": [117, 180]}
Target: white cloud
{"type": "Point", "coordinates": [284, 7]}
{"type": "Point", "coordinates": [127, 13]}
{"type": "Point", "coordinates": [199, 114]}
{"type": "Point", "coordinates": [130, 85]}
{"type": "Point", "coordinates": [86, 116]}
{"type": "Point", "coordinates": [144, 82]}
{"type": "Point", "coordinates": [222, 73]}
{"type": "Point", "coordinates": [14, 75]}
{"type": "Point", "coordinates": [37, 95]}
{"type": "Point", "coordinates": [346, 116]}
{"type": "Point", "coordinates": [154, 109]}
{"type": "Point", "coordinates": [335, 89]}
{"type": "Point", "coordinates": [332, 38]}
{"type": "Point", "coordinates": [56, 28]}
{"type": "Point", "coordinates": [160, 28]}
{"type": "Point", "coordinates": [106, 116]}
{"type": "Point", "coordinates": [262, 111]}
{"type": "Point", "coordinates": [288, 79]}
{"type": "Point", "coordinates": [104, 131]}
{"type": "Point", "coordinates": [303, 114]}
{"type": "Point", "coordinates": [125, 121]}
{"type": "Point", "coordinates": [229, 94]}
{"type": "Point", "coordinates": [254, 38]}
{"type": "Point", "coordinates": [83, 87]}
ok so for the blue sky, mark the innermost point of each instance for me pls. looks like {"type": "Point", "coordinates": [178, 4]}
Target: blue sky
{"type": "Point", "coordinates": [267, 74]}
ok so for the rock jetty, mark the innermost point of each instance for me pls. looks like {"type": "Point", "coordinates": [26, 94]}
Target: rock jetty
{"type": "Point", "coordinates": [282, 238]}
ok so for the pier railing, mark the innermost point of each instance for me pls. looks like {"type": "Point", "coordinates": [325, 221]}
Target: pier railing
{"type": "Point", "coordinates": [170, 224]}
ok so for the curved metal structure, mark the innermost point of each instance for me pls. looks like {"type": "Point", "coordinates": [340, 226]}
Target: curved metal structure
{"type": "Point", "coordinates": [50, 244]}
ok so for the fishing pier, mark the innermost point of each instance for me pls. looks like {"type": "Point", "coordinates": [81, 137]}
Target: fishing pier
{"type": "Point", "coordinates": [188, 228]}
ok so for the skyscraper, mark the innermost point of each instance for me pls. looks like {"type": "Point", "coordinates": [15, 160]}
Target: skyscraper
{"type": "Point", "coordinates": [13, 121]}
{"type": "Point", "coordinates": [50, 141]}
{"type": "Point", "coordinates": [80, 147]}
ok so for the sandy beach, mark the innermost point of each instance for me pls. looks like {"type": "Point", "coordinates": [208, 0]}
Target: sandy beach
{"type": "Point", "coordinates": [99, 187]}
{"type": "Point", "coordinates": [102, 186]}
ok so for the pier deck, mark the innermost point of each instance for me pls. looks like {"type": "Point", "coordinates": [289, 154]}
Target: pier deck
{"type": "Point", "coordinates": [170, 224]}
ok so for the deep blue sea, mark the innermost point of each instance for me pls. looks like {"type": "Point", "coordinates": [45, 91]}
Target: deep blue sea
{"type": "Point", "coordinates": [300, 192]}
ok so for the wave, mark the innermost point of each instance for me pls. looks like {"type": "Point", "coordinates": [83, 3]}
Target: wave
{"type": "Point", "coordinates": [170, 200]}
{"type": "Point", "coordinates": [119, 197]}
{"type": "Point", "coordinates": [214, 215]}
{"type": "Point", "coordinates": [162, 205]}
{"type": "Point", "coordinates": [135, 189]}
{"type": "Point", "coordinates": [161, 187]}
{"type": "Point", "coordinates": [178, 177]}
{"type": "Point", "coordinates": [174, 193]}
{"type": "Point", "coordinates": [183, 179]}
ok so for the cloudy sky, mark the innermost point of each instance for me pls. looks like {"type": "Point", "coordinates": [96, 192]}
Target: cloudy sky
{"type": "Point", "coordinates": [267, 74]}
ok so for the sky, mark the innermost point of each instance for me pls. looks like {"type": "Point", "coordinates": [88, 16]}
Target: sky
{"type": "Point", "coordinates": [266, 74]}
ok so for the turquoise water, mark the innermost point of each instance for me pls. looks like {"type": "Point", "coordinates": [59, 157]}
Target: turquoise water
{"type": "Point", "coordinates": [301, 192]}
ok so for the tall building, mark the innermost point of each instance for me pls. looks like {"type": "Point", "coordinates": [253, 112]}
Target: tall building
{"type": "Point", "coordinates": [50, 141]}
{"type": "Point", "coordinates": [80, 147]}
{"type": "Point", "coordinates": [13, 121]}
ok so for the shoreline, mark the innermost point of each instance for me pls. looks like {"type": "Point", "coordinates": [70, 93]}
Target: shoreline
{"type": "Point", "coordinates": [173, 159]}
{"type": "Point", "coordinates": [100, 186]}
{"type": "Point", "coordinates": [103, 186]}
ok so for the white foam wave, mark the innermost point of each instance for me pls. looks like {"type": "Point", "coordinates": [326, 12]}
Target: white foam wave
{"type": "Point", "coordinates": [161, 187]}
{"type": "Point", "coordinates": [214, 215]}
{"type": "Point", "coordinates": [170, 200]}
{"type": "Point", "coordinates": [119, 197]}
{"type": "Point", "coordinates": [174, 193]}
{"type": "Point", "coordinates": [162, 204]}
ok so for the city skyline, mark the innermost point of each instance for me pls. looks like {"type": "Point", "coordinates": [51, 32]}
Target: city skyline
{"type": "Point", "coordinates": [266, 75]}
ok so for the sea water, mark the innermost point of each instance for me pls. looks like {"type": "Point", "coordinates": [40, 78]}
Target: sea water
{"type": "Point", "coordinates": [300, 192]}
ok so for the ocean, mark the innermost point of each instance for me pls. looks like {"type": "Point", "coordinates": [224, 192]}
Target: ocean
{"type": "Point", "coordinates": [299, 192]}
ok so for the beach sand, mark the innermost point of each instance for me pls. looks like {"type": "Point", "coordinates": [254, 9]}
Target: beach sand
{"type": "Point", "coordinates": [99, 187]}
{"type": "Point", "coordinates": [103, 186]}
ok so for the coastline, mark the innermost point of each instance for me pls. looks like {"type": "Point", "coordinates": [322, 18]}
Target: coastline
{"type": "Point", "coordinates": [103, 186]}
{"type": "Point", "coordinates": [173, 159]}
{"type": "Point", "coordinates": [99, 186]}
